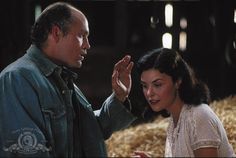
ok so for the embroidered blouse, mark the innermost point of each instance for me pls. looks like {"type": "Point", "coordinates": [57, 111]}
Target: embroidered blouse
{"type": "Point", "coordinates": [197, 127]}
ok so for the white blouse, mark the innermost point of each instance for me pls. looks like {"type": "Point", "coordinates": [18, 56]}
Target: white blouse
{"type": "Point", "coordinates": [197, 127]}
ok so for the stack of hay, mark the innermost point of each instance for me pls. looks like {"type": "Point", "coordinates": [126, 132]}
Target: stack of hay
{"type": "Point", "coordinates": [150, 137]}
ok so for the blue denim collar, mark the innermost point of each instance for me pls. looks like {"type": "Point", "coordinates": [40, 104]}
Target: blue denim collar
{"type": "Point", "coordinates": [42, 61]}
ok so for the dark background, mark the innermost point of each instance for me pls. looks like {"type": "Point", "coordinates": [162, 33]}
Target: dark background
{"type": "Point", "coordinates": [123, 27]}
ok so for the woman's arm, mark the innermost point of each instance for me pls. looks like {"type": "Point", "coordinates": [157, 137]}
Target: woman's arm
{"type": "Point", "coordinates": [206, 152]}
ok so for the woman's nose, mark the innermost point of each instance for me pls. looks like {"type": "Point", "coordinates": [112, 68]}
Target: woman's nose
{"type": "Point", "coordinates": [149, 91]}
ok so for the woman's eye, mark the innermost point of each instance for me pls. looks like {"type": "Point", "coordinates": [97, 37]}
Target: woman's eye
{"type": "Point", "coordinates": [158, 85]}
{"type": "Point", "coordinates": [144, 86]}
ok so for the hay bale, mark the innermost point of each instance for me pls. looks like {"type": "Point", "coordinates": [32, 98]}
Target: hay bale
{"type": "Point", "coordinates": [150, 137]}
{"type": "Point", "coordinates": [226, 110]}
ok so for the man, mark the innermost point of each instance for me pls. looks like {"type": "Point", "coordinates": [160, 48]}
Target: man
{"type": "Point", "coordinates": [42, 113]}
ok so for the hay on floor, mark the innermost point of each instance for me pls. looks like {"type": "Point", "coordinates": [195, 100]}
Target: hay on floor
{"type": "Point", "coordinates": [150, 137]}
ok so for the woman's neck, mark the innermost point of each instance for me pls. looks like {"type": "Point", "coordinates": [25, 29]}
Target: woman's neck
{"type": "Point", "coordinates": [175, 110]}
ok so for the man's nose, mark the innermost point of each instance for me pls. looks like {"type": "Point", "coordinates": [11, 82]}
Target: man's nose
{"type": "Point", "coordinates": [86, 44]}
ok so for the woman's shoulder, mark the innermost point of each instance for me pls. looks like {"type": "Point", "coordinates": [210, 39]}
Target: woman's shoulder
{"type": "Point", "coordinates": [202, 112]}
{"type": "Point", "coordinates": [201, 108]}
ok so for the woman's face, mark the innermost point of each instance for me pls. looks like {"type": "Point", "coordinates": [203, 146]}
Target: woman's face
{"type": "Point", "coordinates": [159, 89]}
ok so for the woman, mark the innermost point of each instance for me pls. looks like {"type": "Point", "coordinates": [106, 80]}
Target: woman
{"type": "Point", "coordinates": [169, 83]}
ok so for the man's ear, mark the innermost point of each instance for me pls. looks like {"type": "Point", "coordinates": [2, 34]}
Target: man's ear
{"type": "Point", "coordinates": [56, 33]}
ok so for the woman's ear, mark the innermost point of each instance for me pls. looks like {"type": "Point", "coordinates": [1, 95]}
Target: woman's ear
{"type": "Point", "coordinates": [177, 83]}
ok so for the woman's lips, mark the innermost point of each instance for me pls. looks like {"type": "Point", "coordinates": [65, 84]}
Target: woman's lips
{"type": "Point", "coordinates": [153, 102]}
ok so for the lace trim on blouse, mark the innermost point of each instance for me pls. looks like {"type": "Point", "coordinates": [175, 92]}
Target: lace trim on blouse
{"type": "Point", "coordinates": [206, 143]}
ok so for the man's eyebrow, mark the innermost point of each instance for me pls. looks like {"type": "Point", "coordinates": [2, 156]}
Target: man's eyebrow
{"type": "Point", "coordinates": [86, 32]}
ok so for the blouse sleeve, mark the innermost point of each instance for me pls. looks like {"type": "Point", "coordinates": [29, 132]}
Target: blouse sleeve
{"type": "Point", "coordinates": [205, 128]}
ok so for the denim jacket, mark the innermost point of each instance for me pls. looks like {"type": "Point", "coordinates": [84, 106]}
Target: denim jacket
{"type": "Point", "coordinates": [36, 116]}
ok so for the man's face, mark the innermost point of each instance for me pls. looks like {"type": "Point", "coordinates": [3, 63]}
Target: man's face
{"type": "Point", "coordinates": [72, 48]}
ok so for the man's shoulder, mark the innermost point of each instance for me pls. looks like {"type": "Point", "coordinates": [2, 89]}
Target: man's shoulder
{"type": "Point", "coordinates": [19, 68]}
{"type": "Point", "coordinates": [20, 65]}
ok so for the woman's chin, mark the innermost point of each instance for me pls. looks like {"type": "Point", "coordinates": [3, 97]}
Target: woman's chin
{"type": "Point", "coordinates": [156, 108]}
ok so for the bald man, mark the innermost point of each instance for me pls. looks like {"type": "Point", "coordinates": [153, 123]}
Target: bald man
{"type": "Point", "coordinates": [42, 111]}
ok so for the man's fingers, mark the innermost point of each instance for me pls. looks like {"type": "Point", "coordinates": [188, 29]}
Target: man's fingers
{"type": "Point", "coordinates": [123, 63]}
{"type": "Point", "coordinates": [117, 66]}
{"type": "Point", "coordinates": [126, 59]}
{"type": "Point", "coordinates": [130, 66]}
{"type": "Point", "coordinates": [114, 78]}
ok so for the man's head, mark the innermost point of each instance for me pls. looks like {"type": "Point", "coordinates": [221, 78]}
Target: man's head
{"type": "Point", "coordinates": [61, 32]}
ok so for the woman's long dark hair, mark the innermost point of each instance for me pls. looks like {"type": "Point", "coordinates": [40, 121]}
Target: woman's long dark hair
{"type": "Point", "coordinates": [191, 90]}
